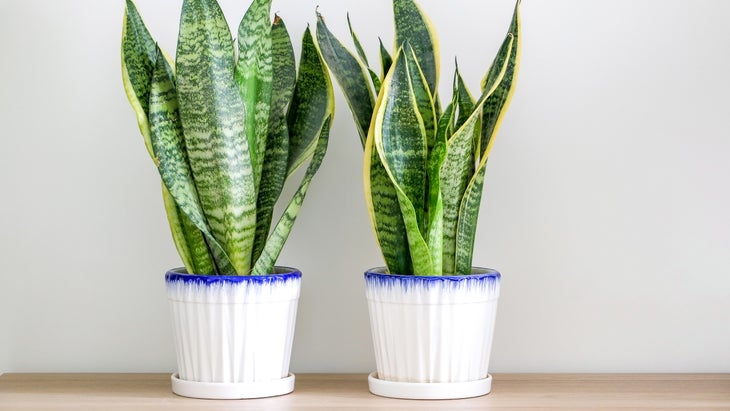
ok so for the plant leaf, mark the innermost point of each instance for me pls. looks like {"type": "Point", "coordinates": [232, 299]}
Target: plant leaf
{"type": "Point", "coordinates": [496, 107]}
{"type": "Point", "coordinates": [188, 239]}
{"type": "Point", "coordinates": [356, 41]}
{"type": "Point", "coordinates": [424, 99]}
{"type": "Point", "coordinates": [212, 116]}
{"type": "Point", "coordinates": [458, 170]}
{"type": "Point", "coordinates": [363, 57]}
{"type": "Point", "coordinates": [138, 61]}
{"type": "Point", "coordinates": [168, 145]}
{"type": "Point", "coordinates": [350, 74]}
{"type": "Point", "coordinates": [384, 210]}
{"type": "Point", "coordinates": [140, 56]}
{"type": "Point", "coordinates": [254, 76]}
{"type": "Point", "coordinates": [385, 59]}
{"type": "Point", "coordinates": [400, 139]}
{"type": "Point", "coordinates": [494, 110]}
{"type": "Point", "coordinates": [312, 103]}
{"type": "Point", "coordinates": [265, 263]}
{"type": "Point", "coordinates": [414, 26]}
{"type": "Point", "coordinates": [465, 101]}
{"type": "Point", "coordinates": [276, 158]}
{"type": "Point", "coordinates": [435, 198]}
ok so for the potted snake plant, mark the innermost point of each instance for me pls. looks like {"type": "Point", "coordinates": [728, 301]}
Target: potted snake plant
{"type": "Point", "coordinates": [226, 124]}
{"type": "Point", "coordinates": [432, 313]}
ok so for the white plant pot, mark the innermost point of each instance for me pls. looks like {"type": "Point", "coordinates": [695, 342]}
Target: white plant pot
{"type": "Point", "coordinates": [432, 335]}
{"type": "Point", "coordinates": [233, 334]}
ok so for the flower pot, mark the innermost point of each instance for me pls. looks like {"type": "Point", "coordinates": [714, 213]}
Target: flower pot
{"type": "Point", "coordinates": [233, 334]}
{"type": "Point", "coordinates": [432, 335]}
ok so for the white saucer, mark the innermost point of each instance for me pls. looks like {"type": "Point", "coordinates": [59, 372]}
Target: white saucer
{"type": "Point", "coordinates": [429, 390]}
{"type": "Point", "coordinates": [232, 391]}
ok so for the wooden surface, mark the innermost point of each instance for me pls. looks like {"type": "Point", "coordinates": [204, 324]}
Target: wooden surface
{"type": "Point", "coordinates": [20, 392]}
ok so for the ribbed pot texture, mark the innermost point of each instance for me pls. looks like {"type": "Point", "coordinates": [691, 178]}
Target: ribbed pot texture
{"type": "Point", "coordinates": [432, 329]}
{"type": "Point", "coordinates": [233, 329]}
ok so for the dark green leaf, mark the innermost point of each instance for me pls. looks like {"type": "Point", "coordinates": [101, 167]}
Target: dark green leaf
{"type": "Point", "coordinates": [400, 140]}
{"type": "Point", "coordinates": [351, 76]}
{"type": "Point", "coordinates": [312, 103]}
{"type": "Point", "coordinates": [412, 25]}
{"type": "Point", "coordinates": [265, 263]}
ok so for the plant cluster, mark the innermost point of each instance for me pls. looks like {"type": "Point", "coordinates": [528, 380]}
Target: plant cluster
{"type": "Point", "coordinates": [424, 166]}
{"type": "Point", "coordinates": [226, 124]}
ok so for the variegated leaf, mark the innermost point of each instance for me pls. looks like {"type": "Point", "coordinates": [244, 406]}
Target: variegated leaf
{"type": "Point", "coordinates": [168, 144]}
{"type": "Point", "coordinates": [458, 170]}
{"type": "Point", "coordinates": [385, 59]}
{"type": "Point", "coordinates": [363, 57]}
{"type": "Point", "coordinates": [139, 53]}
{"type": "Point", "coordinates": [465, 101]}
{"type": "Point", "coordinates": [311, 104]}
{"type": "Point", "coordinates": [212, 116]}
{"type": "Point", "coordinates": [414, 26]}
{"type": "Point", "coordinates": [424, 99]}
{"type": "Point", "coordinates": [400, 139]}
{"type": "Point", "coordinates": [265, 263]}
{"type": "Point", "coordinates": [495, 109]}
{"type": "Point", "coordinates": [384, 210]}
{"type": "Point", "coordinates": [254, 76]}
{"type": "Point", "coordinates": [356, 41]}
{"type": "Point", "coordinates": [139, 57]}
{"type": "Point", "coordinates": [493, 113]}
{"type": "Point", "coordinates": [188, 239]}
{"type": "Point", "coordinates": [435, 209]}
{"type": "Point", "coordinates": [351, 76]}
{"type": "Point", "coordinates": [274, 170]}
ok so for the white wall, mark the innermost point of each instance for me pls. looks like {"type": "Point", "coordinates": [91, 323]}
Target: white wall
{"type": "Point", "coordinates": [607, 202]}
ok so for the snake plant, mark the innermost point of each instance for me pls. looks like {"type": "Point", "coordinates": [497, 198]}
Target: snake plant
{"type": "Point", "coordinates": [423, 166]}
{"type": "Point", "coordinates": [226, 124]}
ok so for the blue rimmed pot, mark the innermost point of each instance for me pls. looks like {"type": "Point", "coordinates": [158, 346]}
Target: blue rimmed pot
{"type": "Point", "coordinates": [432, 335]}
{"type": "Point", "coordinates": [233, 334]}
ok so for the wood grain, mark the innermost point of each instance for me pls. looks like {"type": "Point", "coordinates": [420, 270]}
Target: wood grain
{"type": "Point", "coordinates": [25, 392]}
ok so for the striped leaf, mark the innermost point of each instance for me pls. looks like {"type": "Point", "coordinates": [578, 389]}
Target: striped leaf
{"type": "Point", "coordinates": [311, 104]}
{"type": "Point", "coordinates": [496, 107]}
{"type": "Point", "coordinates": [212, 115]}
{"type": "Point", "coordinates": [435, 198]}
{"type": "Point", "coordinates": [400, 139]}
{"type": "Point", "coordinates": [254, 74]}
{"type": "Point", "coordinates": [275, 243]}
{"type": "Point", "coordinates": [352, 77]}
{"type": "Point", "coordinates": [458, 170]}
{"type": "Point", "coordinates": [384, 210]}
{"type": "Point", "coordinates": [465, 101]}
{"type": "Point", "coordinates": [139, 53]}
{"type": "Point", "coordinates": [385, 59]}
{"type": "Point", "coordinates": [424, 99]}
{"type": "Point", "coordinates": [356, 41]}
{"type": "Point", "coordinates": [188, 239]}
{"type": "Point", "coordinates": [276, 158]}
{"type": "Point", "coordinates": [494, 110]}
{"type": "Point", "coordinates": [412, 25]}
{"type": "Point", "coordinates": [139, 58]}
{"type": "Point", "coordinates": [363, 57]}
{"type": "Point", "coordinates": [168, 144]}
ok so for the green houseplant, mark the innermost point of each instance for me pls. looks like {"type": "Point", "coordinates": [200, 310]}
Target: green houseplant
{"type": "Point", "coordinates": [424, 169]}
{"type": "Point", "coordinates": [226, 124]}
